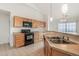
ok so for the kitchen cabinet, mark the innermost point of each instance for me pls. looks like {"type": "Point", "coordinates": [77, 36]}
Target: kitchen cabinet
{"type": "Point", "coordinates": [38, 36]}
{"type": "Point", "coordinates": [18, 39]}
{"type": "Point", "coordinates": [47, 49]}
{"type": "Point", "coordinates": [34, 23]}
{"type": "Point", "coordinates": [18, 21]}
{"type": "Point", "coordinates": [27, 20]}
{"type": "Point", "coordinates": [38, 24]}
{"type": "Point", "coordinates": [58, 53]}
{"type": "Point", "coordinates": [51, 51]}
{"type": "Point", "coordinates": [43, 24]}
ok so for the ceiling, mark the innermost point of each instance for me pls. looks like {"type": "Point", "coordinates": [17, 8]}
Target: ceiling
{"type": "Point", "coordinates": [43, 7]}
{"type": "Point", "coordinates": [73, 9]}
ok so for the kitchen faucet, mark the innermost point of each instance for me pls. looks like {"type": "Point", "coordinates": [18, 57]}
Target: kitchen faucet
{"type": "Point", "coordinates": [63, 38]}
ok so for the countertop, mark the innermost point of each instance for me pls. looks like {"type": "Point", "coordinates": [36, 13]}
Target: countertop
{"type": "Point", "coordinates": [71, 33]}
{"type": "Point", "coordinates": [71, 49]}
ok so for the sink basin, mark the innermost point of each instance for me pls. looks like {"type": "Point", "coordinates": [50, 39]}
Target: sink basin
{"type": "Point", "coordinates": [57, 41]}
{"type": "Point", "coordinates": [53, 37]}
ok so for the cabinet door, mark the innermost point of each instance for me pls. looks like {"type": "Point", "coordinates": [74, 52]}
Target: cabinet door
{"type": "Point", "coordinates": [47, 49]}
{"type": "Point", "coordinates": [58, 53]}
{"type": "Point", "coordinates": [38, 24]}
{"type": "Point", "coordinates": [34, 24]}
{"type": "Point", "coordinates": [40, 36]}
{"type": "Point", "coordinates": [18, 39]}
{"type": "Point", "coordinates": [18, 21]}
{"type": "Point", "coordinates": [36, 37]}
{"type": "Point", "coordinates": [44, 24]}
{"type": "Point", "coordinates": [41, 24]}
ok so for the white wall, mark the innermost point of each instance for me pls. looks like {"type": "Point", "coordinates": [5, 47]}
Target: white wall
{"type": "Point", "coordinates": [19, 10]}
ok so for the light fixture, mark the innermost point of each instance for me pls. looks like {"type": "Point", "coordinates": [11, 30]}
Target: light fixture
{"type": "Point", "coordinates": [51, 18]}
{"type": "Point", "coordinates": [64, 9]}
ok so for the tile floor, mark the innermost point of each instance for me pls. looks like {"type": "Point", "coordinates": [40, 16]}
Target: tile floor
{"type": "Point", "coordinates": [30, 50]}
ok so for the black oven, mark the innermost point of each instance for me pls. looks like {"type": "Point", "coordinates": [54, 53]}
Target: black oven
{"type": "Point", "coordinates": [29, 36]}
{"type": "Point", "coordinates": [27, 24]}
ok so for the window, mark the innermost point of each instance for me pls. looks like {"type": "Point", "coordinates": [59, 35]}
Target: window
{"type": "Point", "coordinates": [67, 27]}
{"type": "Point", "coordinates": [61, 27]}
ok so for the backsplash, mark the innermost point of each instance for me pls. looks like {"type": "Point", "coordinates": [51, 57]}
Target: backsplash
{"type": "Point", "coordinates": [32, 29]}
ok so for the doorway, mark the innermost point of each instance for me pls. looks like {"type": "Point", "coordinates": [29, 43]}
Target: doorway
{"type": "Point", "coordinates": [4, 27]}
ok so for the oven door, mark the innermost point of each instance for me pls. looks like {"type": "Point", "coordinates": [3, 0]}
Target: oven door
{"type": "Point", "coordinates": [29, 38]}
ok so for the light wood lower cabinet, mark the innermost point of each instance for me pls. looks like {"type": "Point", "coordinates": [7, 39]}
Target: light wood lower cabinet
{"type": "Point", "coordinates": [50, 51]}
{"type": "Point", "coordinates": [38, 36]}
{"type": "Point", "coordinates": [58, 53]}
{"type": "Point", "coordinates": [18, 39]}
{"type": "Point", "coordinates": [47, 49]}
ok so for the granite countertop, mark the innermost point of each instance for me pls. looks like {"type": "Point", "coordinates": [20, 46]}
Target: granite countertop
{"type": "Point", "coordinates": [71, 49]}
{"type": "Point", "coordinates": [71, 33]}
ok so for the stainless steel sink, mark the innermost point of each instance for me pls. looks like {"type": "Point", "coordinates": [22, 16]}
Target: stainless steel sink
{"type": "Point", "coordinates": [57, 41]}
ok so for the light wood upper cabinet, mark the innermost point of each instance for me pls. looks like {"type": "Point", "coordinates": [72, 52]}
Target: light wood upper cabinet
{"type": "Point", "coordinates": [18, 21]}
{"type": "Point", "coordinates": [27, 20]}
{"type": "Point", "coordinates": [34, 23]}
{"type": "Point", "coordinates": [38, 24]}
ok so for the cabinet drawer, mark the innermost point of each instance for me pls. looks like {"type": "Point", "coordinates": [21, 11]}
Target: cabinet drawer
{"type": "Point", "coordinates": [19, 41]}
{"type": "Point", "coordinates": [19, 44]}
{"type": "Point", "coordinates": [19, 38]}
{"type": "Point", "coordinates": [19, 35]}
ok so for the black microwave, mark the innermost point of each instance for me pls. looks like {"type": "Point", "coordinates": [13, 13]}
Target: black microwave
{"type": "Point", "coordinates": [27, 24]}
